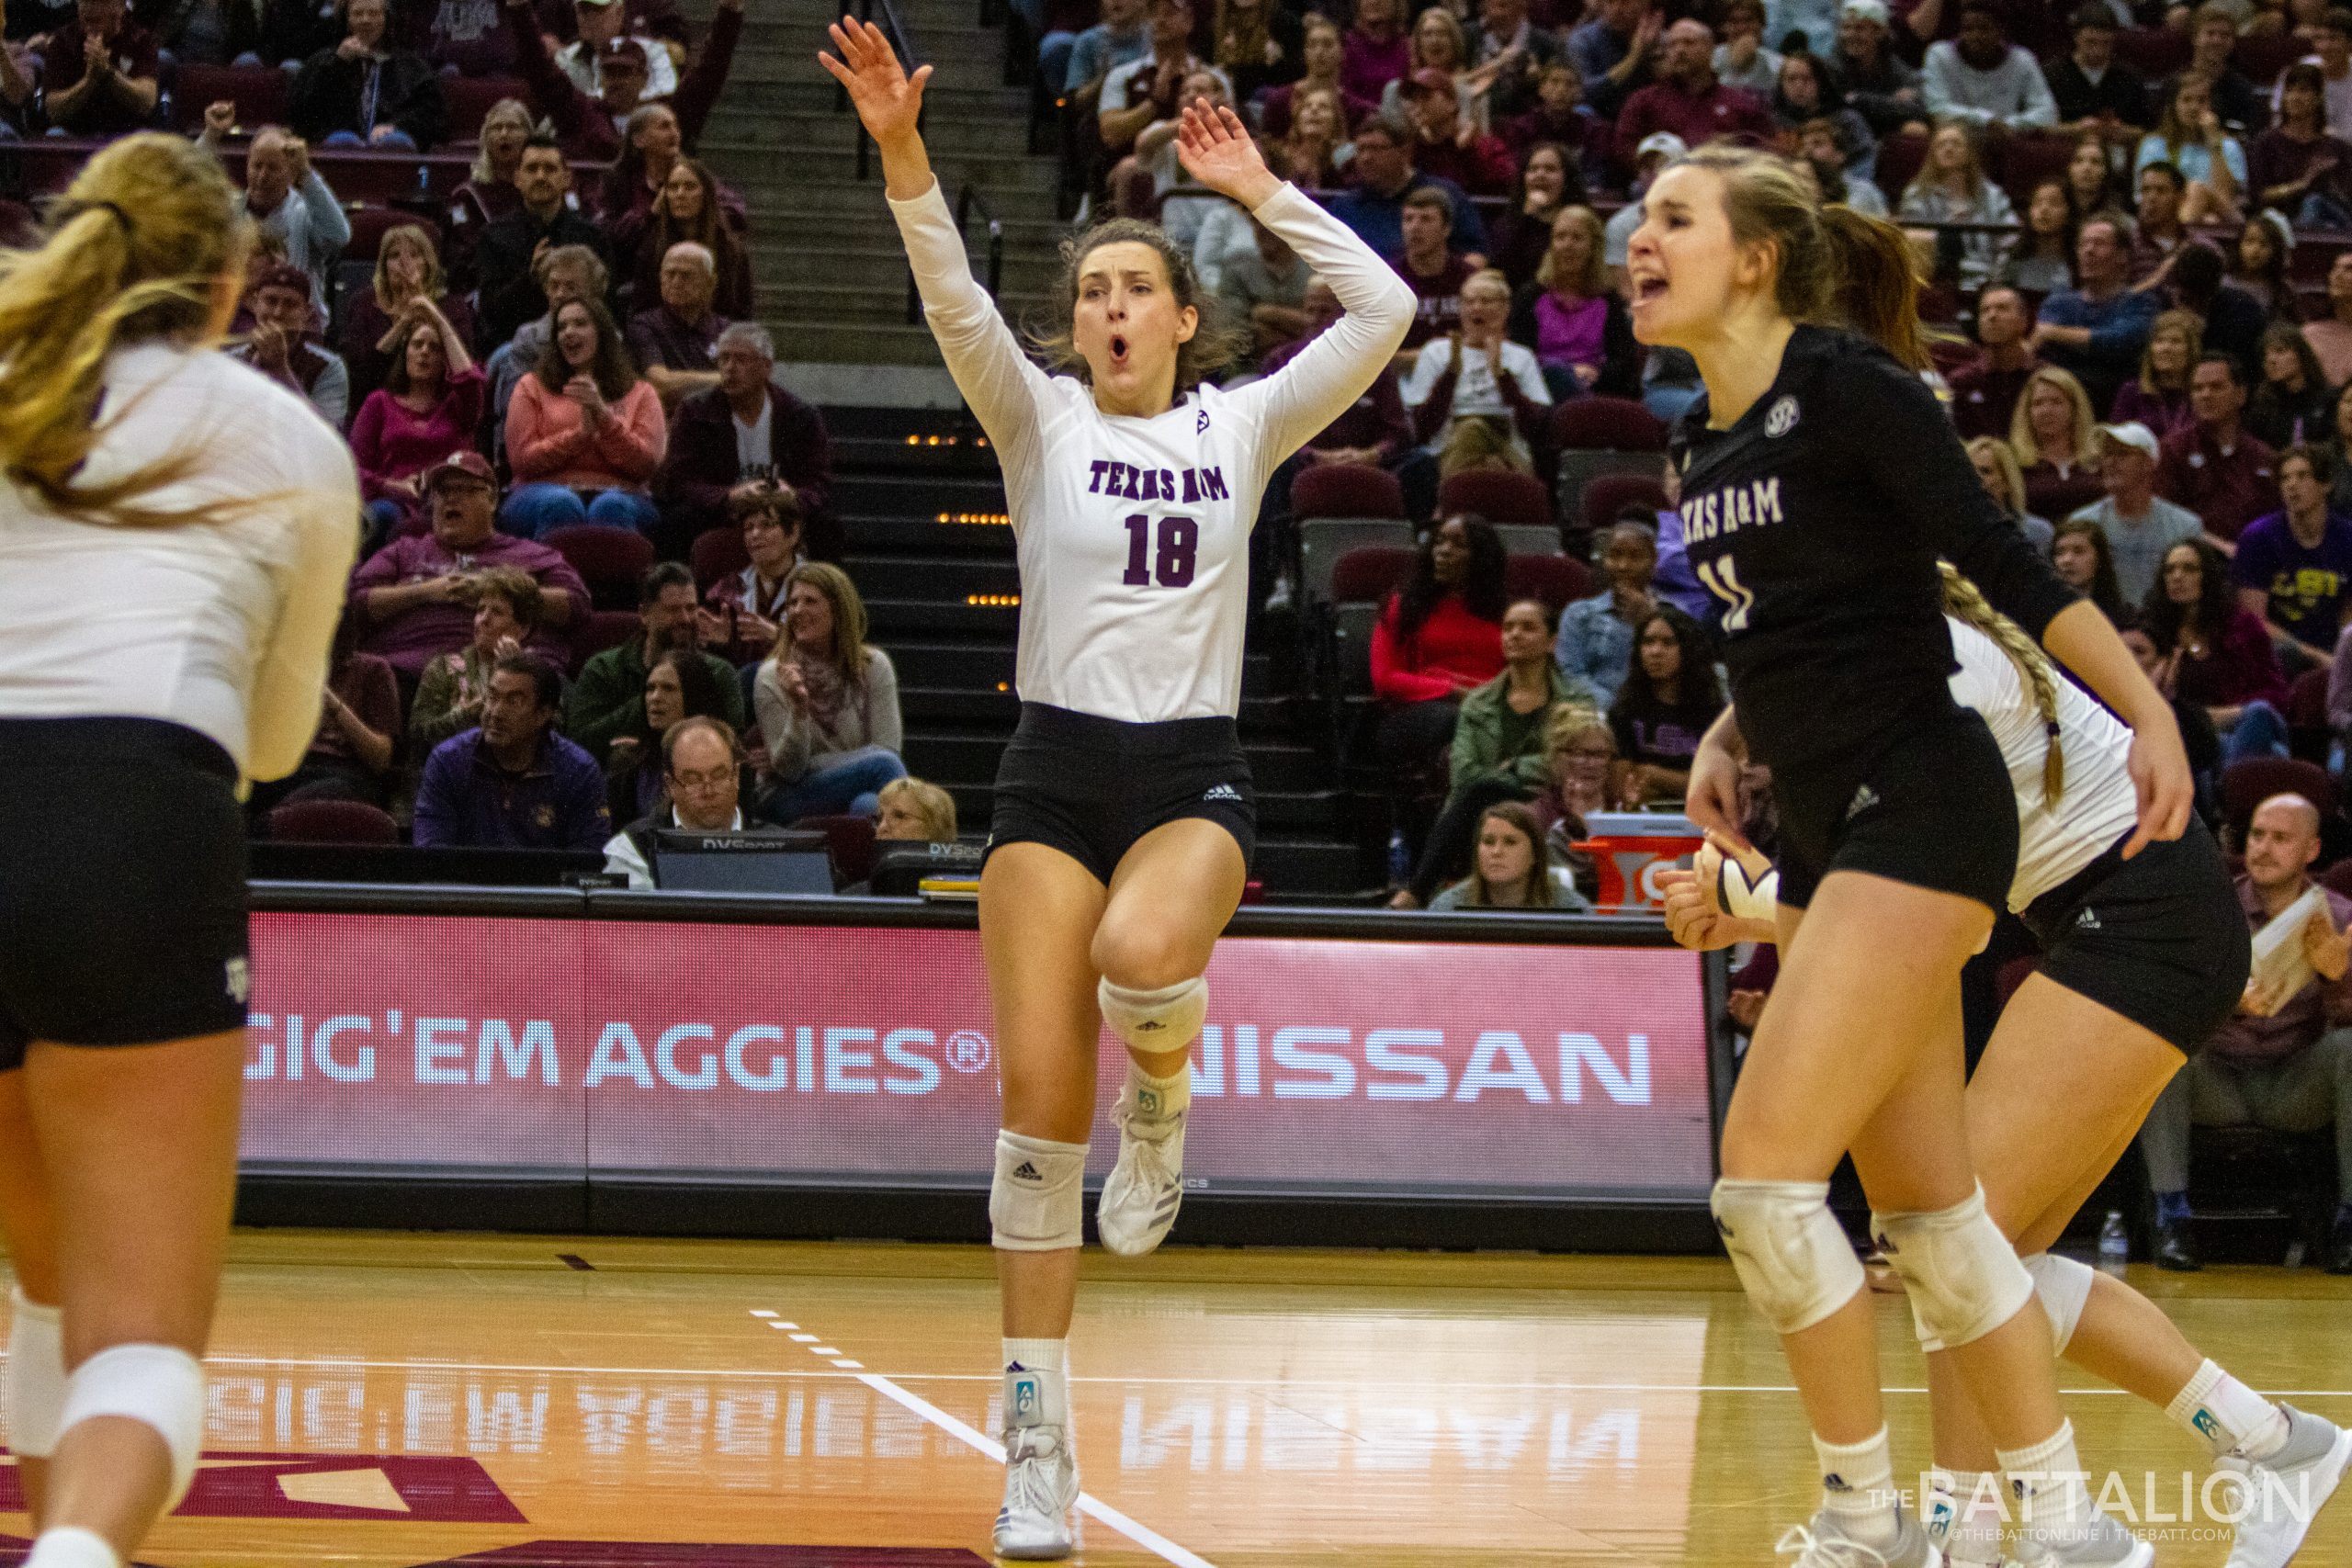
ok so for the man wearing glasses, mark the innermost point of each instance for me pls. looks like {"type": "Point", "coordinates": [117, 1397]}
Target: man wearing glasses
{"type": "Point", "coordinates": [702, 776]}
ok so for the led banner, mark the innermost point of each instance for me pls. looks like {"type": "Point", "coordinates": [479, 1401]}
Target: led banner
{"type": "Point", "coordinates": [866, 1054]}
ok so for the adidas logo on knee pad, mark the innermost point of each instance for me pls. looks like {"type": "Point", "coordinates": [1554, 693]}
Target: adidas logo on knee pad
{"type": "Point", "coordinates": [1024, 1171]}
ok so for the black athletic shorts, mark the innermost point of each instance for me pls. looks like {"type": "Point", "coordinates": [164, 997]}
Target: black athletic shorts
{"type": "Point", "coordinates": [1933, 809]}
{"type": "Point", "coordinates": [122, 887]}
{"type": "Point", "coordinates": [1090, 787]}
{"type": "Point", "coordinates": [2159, 938]}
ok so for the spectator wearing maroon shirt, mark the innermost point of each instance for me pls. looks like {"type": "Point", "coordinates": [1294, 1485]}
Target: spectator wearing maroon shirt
{"type": "Point", "coordinates": [407, 271]}
{"type": "Point", "coordinates": [351, 756]}
{"type": "Point", "coordinates": [654, 144]}
{"type": "Point", "coordinates": [413, 597]}
{"type": "Point", "coordinates": [2299, 166]}
{"type": "Point", "coordinates": [1688, 101]}
{"type": "Point", "coordinates": [1984, 393]}
{"type": "Point", "coordinates": [1560, 116]}
{"type": "Point", "coordinates": [1439, 637]}
{"type": "Point", "coordinates": [429, 405]}
{"type": "Point", "coordinates": [676, 342]}
{"type": "Point", "coordinates": [1325, 53]}
{"type": "Point", "coordinates": [688, 212]}
{"type": "Point", "coordinates": [1446, 146]}
{"type": "Point", "coordinates": [744, 612]}
{"type": "Point", "coordinates": [2216, 468]}
{"type": "Point", "coordinates": [590, 128]}
{"type": "Point", "coordinates": [1375, 50]}
{"type": "Point", "coordinates": [740, 437]}
{"type": "Point", "coordinates": [1434, 270]}
{"type": "Point", "coordinates": [2216, 653]}
{"type": "Point", "coordinates": [487, 193]}
{"type": "Point", "coordinates": [640, 19]}
{"type": "Point", "coordinates": [99, 75]}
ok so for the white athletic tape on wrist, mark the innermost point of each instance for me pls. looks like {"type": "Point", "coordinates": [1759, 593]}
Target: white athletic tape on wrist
{"type": "Point", "coordinates": [1745, 901]}
{"type": "Point", "coordinates": [34, 1392]}
{"type": "Point", "coordinates": [1166, 1019]}
{"type": "Point", "coordinates": [160, 1386]}
{"type": "Point", "coordinates": [1791, 1255]}
{"type": "Point", "coordinates": [1037, 1198]}
{"type": "Point", "coordinates": [1964, 1277]}
{"type": "Point", "coordinates": [2064, 1286]}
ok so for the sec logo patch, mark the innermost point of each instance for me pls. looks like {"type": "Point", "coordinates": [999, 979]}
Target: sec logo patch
{"type": "Point", "coordinates": [1782, 417]}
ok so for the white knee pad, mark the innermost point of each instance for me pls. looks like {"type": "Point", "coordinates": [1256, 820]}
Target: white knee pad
{"type": "Point", "coordinates": [1038, 1201]}
{"type": "Point", "coordinates": [158, 1385]}
{"type": "Point", "coordinates": [1166, 1019]}
{"type": "Point", "coordinates": [2063, 1285]}
{"type": "Point", "coordinates": [1791, 1255]}
{"type": "Point", "coordinates": [35, 1390]}
{"type": "Point", "coordinates": [1964, 1277]}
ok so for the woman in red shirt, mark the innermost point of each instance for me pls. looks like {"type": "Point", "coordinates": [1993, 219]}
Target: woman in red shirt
{"type": "Point", "coordinates": [1439, 636]}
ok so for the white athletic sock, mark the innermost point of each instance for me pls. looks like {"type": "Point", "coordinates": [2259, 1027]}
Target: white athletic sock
{"type": "Point", "coordinates": [2049, 1481]}
{"type": "Point", "coordinates": [1160, 1099]}
{"type": "Point", "coordinates": [2228, 1415]}
{"type": "Point", "coordinates": [1037, 1355]}
{"type": "Point", "coordinates": [1858, 1488]}
{"type": "Point", "coordinates": [1974, 1539]}
{"type": "Point", "coordinates": [70, 1547]}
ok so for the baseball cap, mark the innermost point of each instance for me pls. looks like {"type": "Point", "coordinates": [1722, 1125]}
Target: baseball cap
{"type": "Point", "coordinates": [2132, 434]}
{"type": "Point", "coordinates": [1429, 79]}
{"type": "Point", "coordinates": [279, 275]}
{"type": "Point", "coordinates": [599, 5]}
{"type": "Point", "coordinates": [623, 49]}
{"type": "Point", "coordinates": [465, 461]}
{"type": "Point", "coordinates": [1865, 11]}
{"type": "Point", "coordinates": [1664, 142]}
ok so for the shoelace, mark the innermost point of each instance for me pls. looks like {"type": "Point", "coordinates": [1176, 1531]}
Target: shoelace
{"type": "Point", "coordinates": [1033, 1463]}
{"type": "Point", "coordinates": [1814, 1552]}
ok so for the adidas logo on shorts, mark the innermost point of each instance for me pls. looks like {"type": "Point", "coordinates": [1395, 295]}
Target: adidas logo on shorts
{"type": "Point", "coordinates": [1864, 798]}
{"type": "Point", "coordinates": [2087, 920]}
{"type": "Point", "coordinates": [1025, 1171]}
{"type": "Point", "coordinates": [1223, 792]}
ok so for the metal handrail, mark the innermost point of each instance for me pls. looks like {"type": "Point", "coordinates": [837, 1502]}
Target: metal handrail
{"type": "Point", "coordinates": [903, 43]}
{"type": "Point", "coordinates": [968, 200]}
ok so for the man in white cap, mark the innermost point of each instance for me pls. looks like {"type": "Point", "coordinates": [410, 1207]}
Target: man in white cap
{"type": "Point", "coordinates": [1658, 149]}
{"type": "Point", "coordinates": [1879, 85]}
{"type": "Point", "coordinates": [2139, 524]}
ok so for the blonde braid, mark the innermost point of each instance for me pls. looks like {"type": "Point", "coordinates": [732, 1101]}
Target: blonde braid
{"type": "Point", "coordinates": [1965, 603]}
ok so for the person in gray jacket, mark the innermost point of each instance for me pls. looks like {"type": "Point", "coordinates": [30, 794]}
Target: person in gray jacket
{"type": "Point", "coordinates": [827, 703]}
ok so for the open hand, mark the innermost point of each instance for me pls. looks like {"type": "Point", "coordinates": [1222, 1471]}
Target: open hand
{"type": "Point", "coordinates": [889, 101]}
{"type": "Point", "coordinates": [1215, 149]}
{"type": "Point", "coordinates": [2325, 949]}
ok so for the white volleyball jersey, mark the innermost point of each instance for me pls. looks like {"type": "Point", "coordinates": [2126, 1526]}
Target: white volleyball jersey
{"type": "Point", "coordinates": [1134, 534]}
{"type": "Point", "coordinates": [225, 627]}
{"type": "Point", "coordinates": [2098, 804]}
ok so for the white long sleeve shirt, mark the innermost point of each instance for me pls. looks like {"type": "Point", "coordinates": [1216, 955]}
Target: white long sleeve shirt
{"type": "Point", "coordinates": [1132, 534]}
{"type": "Point", "coordinates": [2014, 93]}
{"type": "Point", "coordinates": [224, 627]}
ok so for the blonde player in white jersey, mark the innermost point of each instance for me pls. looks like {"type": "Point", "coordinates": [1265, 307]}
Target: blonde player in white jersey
{"type": "Point", "coordinates": [175, 532]}
{"type": "Point", "coordinates": [2141, 960]}
{"type": "Point", "coordinates": [1123, 823]}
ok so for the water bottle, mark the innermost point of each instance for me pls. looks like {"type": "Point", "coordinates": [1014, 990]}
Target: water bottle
{"type": "Point", "coordinates": [2114, 1246]}
{"type": "Point", "coordinates": [1400, 859]}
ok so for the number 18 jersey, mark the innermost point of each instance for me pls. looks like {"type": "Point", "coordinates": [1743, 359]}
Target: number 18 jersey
{"type": "Point", "coordinates": [1134, 534]}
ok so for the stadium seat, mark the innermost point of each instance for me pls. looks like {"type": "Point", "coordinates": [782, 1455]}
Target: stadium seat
{"type": "Point", "coordinates": [1346, 490]}
{"type": "Point", "coordinates": [1899, 158]}
{"type": "Point", "coordinates": [2154, 52]}
{"type": "Point", "coordinates": [332, 822]}
{"type": "Point", "coordinates": [849, 840]}
{"type": "Point", "coordinates": [717, 553]}
{"type": "Point", "coordinates": [260, 93]}
{"type": "Point", "coordinates": [1610, 494]}
{"type": "Point", "coordinates": [2248, 784]}
{"type": "Point", "coordinates": [601, 629]}
{"type": "Point", "coordinates": [1529, 539]}
{"type": "Point", "coordinates": [1560, 580]}
{"type": "Point", "coordinates": [1369, 573]}
{"type": "Point", "coordinates": [610, 560]}
{"type": "Point", "coordinates": [370, 224]}
{"type": "Point", "coordinates": [1352, 647]}
{"type": "Point", "coordinates": [469, 98]}
{"type": "Point", "coordinates": [1323, 540]}
{"type": "Point", "coordinates": [2030, 157]}
{"type": "Point", "coordinates": [2307, 726]}
{"type": "Point", "coordinates": [1497, 495]}
{"type": "Point", "coordinates": [2261, 58]}
{"type": "Point", "coordinates": [1607, 424]}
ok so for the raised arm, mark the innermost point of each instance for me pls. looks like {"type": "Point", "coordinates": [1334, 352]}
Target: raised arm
{"type": "Point", "coordinates": [1325, 379]}
{"type": "Point", "coordinates": [995, 377]}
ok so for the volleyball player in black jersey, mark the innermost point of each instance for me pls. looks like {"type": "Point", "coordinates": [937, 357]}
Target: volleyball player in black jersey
{"type": "Point", "coordinates": [1820, 484]}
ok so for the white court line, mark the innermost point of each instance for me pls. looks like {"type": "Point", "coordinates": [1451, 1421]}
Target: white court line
{"type": "Point", "coordinates": [1088, 1503]}
{"type": "Point", "coordinates": [346, 1363]}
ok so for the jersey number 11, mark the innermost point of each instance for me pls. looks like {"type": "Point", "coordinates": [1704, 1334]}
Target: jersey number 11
{"type": "Point", "coordinates": [1171, 563]}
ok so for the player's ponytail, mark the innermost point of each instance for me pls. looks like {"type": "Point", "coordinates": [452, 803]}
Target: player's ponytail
{"type": "Point", "coordinates": [1833, 265]}
{"type": "Point", "coordinates": [133, 251]}
{"type": "Point", "coordinates": [1965, 603]}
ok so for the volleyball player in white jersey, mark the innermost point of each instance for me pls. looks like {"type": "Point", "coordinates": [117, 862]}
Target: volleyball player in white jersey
{"type": "Point", "coordinates": [1122, 823]}
{"type": "Point", "coordinates": [174, 536]}
{"type": "Point", "coordinates": [2143, 959]}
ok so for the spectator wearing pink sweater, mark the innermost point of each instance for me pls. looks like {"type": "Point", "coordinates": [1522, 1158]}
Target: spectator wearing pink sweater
{"type": "Point", "coordinates": [428, 407]}
{"type": "Point", "coordinates": [584, 432]}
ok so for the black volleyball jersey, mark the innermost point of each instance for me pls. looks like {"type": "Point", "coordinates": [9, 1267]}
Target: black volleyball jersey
{"type": "Point", "coordinates": [1816, 520]}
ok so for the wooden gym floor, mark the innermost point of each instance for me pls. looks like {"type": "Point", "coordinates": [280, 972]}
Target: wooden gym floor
{"type": "Point", "coordinates": [396, 1401]}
